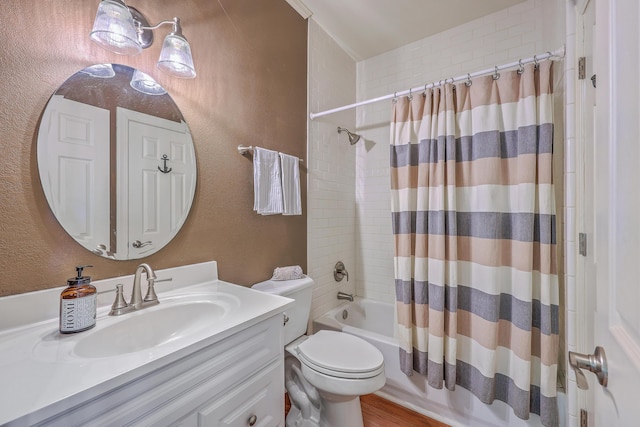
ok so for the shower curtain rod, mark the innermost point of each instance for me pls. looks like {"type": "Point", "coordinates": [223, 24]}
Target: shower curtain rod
{"type": "Point", "coordinates": [558, 53]}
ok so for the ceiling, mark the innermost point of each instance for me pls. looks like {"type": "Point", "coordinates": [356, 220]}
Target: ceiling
{"type": "Point", "coordinates": [366, 28]}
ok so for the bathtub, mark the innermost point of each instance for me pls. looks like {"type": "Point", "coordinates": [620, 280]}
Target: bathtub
{"type": "Point", "coordinates": [374, 321]}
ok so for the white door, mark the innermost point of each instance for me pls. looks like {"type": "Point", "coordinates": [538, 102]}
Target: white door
{"type": "Point", "coordinates": [612, 278]}
{"type": "Point", "coordinates": [73, 159]}
{"type": "Point", "coordinates": [160, 180]}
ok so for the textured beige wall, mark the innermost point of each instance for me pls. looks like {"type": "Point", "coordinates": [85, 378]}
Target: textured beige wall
{"type": "Point", "coordinates": [251, 89]}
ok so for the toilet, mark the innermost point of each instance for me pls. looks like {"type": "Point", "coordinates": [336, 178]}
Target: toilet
{"type": "Point", "coordinates": [325, 373]}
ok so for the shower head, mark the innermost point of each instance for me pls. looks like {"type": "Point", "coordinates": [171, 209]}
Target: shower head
{"type": "Point", "coordinates": [353, 137]}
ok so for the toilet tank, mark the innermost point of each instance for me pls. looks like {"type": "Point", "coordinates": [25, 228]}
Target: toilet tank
{"type": "Point", "coordinates": [299, 290]}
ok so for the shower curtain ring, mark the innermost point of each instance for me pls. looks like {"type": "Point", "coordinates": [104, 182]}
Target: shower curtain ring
{"type": "Point", "coordinates": [535, 60]}
{"type": "Point", "coordinates": [496, 75]}
{"type": "Point", "coordinates": [520, 67]}
{"type": "Point", "coordinates": [395, 97]}
{"type": "Point", "coordinates": [410, 96]}
{"type": "Point", "coordinates": [468, 83]}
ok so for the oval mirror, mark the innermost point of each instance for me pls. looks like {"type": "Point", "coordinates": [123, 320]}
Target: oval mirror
{"type": "Point", "coordinates": [116, 161]}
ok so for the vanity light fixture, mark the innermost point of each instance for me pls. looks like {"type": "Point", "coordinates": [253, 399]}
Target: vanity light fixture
{"type": "Point", "coordinates": [101, 71]}
{"type": "Point", "coordinates": [123, 30]}
{"type": "Point", "coordinates": [142, 82]}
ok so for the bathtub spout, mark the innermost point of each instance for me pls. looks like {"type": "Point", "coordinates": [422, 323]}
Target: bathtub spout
{"type": "Point", "coordinates": [345, 296]}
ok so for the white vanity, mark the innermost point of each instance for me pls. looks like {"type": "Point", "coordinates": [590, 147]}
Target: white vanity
{"type": "Point", "coordinates": [210, 354]}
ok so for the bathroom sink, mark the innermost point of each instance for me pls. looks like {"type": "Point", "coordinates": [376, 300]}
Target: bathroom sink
{"type": "Point", "coordinates": [145, 329]}
{"type": "Point", "coordinates": [53, 373]}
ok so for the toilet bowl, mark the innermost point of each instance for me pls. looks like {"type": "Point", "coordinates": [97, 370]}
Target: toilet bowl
{"type": "Point", "coordinates": [325, 373]}
{"type": "Point", "coordinates": [340, 367]}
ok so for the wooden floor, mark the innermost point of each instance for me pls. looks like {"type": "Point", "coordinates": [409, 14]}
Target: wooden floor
{"type": "Point", "coordinates": [379, 412]}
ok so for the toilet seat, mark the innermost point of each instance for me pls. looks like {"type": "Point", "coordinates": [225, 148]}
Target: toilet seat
{"type": "Point", "coordinates": [341, 355]}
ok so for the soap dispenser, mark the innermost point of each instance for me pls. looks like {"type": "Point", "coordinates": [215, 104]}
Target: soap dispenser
{"type": "Point", "coordinates": [78, 304]}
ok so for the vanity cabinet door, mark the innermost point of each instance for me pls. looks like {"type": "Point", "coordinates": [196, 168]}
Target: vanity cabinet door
{"type": "Point", "coordinates": [244, 376]}
{"type": "Point", "coordinates": [251, 403]}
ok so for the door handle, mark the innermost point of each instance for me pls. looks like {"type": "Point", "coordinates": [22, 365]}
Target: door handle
{"type": "Point", "coordinates": [596, 363]}
{"type": "Point", "coordinates": [138, 244]}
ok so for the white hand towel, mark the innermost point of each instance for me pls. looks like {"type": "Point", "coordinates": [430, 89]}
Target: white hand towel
{"type": "Point", "coordinates": [291, 200]}
{"type": "Point", "coordinates": [267, 184]}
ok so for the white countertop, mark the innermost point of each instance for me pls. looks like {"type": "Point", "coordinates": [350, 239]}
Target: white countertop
{"type": "Point", "coordinates": [41, 374]}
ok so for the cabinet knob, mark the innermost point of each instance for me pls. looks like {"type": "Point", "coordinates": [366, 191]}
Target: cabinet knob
{"type": "Point", "coordinates": [253, 420]}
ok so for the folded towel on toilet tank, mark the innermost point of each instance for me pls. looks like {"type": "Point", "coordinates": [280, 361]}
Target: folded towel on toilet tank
{"type": "Point", "coordinates": [291, 272]}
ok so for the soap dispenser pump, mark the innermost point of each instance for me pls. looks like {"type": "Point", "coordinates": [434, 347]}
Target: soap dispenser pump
{"type": "Point", "coordinates": [78, 304]}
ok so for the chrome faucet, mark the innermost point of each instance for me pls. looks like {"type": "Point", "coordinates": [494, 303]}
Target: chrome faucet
{"type": "Point", "coordinates": [345, 296]}
{"type": "Point", "coordinates": [120, 306]}
{"type": "Point", "coordinates": [136, 293]}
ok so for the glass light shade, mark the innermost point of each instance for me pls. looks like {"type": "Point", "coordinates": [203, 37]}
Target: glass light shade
{"type": "Point", "coordinates": [102, 71]}
{"type": "Point", "coordinates": [175, 57]}
{"type": "Point", "coordinates": [114, 28]}
{"type": "Point", "coordinates": [142, 82]}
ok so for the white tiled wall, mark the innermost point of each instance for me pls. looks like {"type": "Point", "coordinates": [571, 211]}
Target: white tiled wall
{"type": "Point", "coordinates": [331, 171]}
{"type": "Point", "coordinates": [531, 27]}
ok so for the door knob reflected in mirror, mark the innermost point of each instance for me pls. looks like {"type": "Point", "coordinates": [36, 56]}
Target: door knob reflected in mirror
{"type": "Point", "coordinates": [596, 363]}
{"type": "Point", "coordinates": [138, 244]}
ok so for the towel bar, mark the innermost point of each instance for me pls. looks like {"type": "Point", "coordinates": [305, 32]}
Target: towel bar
{"type": "Point", "coordinates": [243, 149]}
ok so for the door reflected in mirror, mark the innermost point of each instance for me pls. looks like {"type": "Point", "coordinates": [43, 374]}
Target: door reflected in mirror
{"type": "Point", "coordinates": [116, 161]}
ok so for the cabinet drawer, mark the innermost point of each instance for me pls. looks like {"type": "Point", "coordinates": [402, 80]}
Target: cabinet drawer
{"type": "Point", "coordinates": [258, 402]}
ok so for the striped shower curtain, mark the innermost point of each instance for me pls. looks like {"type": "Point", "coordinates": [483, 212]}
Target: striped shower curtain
{"type": "Point", "coordinates": [475, 246]}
